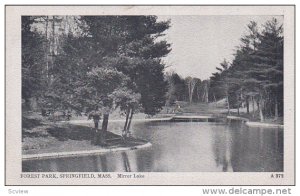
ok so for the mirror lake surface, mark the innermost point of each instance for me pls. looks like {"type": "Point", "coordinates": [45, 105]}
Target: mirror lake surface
{"type": "Point", "coordinates": [182, 147]}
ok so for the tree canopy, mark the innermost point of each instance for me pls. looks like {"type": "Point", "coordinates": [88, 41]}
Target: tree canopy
{"type": "Point", "coordinates": [256, 72]}
{"type": "Point", "coordinates": [115, 62]}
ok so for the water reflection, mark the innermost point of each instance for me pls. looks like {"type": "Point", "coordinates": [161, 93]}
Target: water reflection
{"type": "Point", "coordinates": [100, 163]}
{"type": "Point", "coordinates": [183, 147]}
{"type": "Point", "coordinates": [222, 147]}
{"type": "Point", "coordinates": [256, 149]}
{"type": "Point", "coordinates": [126, 162]}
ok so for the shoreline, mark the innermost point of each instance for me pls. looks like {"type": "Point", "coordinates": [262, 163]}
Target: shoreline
{"type": "Point", "coordinates": [237, 118]}
{"type": "Point", "coordinates": [78, 122]}
{"type": "Point", "coordinates": [263, 125]}
{"type": "Point", "coordinates": [28, 157]}
{"type": "Point", "coordinates": [246, 120]}
{"type": "Point", "coordinates": [104, 150]}
{"type": "Point", "coordinates": [255, 124]}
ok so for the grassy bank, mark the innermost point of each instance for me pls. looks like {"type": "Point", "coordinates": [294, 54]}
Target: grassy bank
{"type": "Point", "coordinates": [42, 136]}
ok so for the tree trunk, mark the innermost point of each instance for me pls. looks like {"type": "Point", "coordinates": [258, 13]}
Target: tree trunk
{"type": "Point", "coordinates": [105, 122]}
{"type": "Point", "coordinates": [96, 124]}
{"type": "Point", "coordinates": [203, 96]}
{"type": "Point", "coordinates": [102, 134]}
{"type": "Point", "coordinates": [189, 88]}
{"type": "Point", "coordinates": [247, 104]}
{"type": "Point", "coordinates": [228, 106]}
{"type": "Point", "coordinates": [96, 135]}
{"type": "Point", "coordinates": [53, 35]}
{"type": "Point", "coordinates": [27, 104]}
{"type": "Point", "coordinates": [126, 122]}
{"type": "Point", "coordinates": [190, 97]}
{"type": "Point", "coordinates": [47, 48]}
{"type": "Point", "coordinates": [260, 108]}
{"type": "Point", "coordinates": [253, 107]}
{"type": "Point", "coordinates": [261, 115]}
{"type": "Point", "coordinates": [276, 109]}
{"type": "Point", "coordinates": [206, 95]}
{"type": "Point", "coordinates": [238, 104]}
{"type": "Point", "coordinates": [130, 119]}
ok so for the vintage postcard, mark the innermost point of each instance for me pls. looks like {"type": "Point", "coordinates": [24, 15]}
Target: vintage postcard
{"type": "Point", "coordinates": [150, 95]}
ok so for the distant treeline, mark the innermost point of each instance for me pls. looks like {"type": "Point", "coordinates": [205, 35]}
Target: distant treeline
{"type": "Point", "coordinates": [254, 76]}
{"type": "Point", "coordinates": [189, 89]}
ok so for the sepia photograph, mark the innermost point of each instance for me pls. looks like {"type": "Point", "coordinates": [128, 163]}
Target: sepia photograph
{"type": "Point", "coordinates": [126, 95]}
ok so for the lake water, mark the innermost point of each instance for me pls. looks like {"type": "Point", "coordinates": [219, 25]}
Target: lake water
{"type": "Point", "coordinates": [183, 147]}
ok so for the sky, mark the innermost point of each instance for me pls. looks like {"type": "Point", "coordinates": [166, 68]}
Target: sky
{"type": "Point", "coordinates": [201, 43]}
